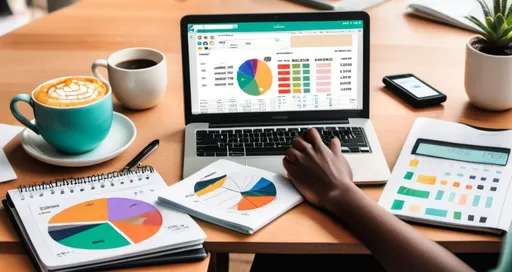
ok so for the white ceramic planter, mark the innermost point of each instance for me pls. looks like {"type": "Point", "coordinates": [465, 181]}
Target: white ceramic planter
{"type": "Point", "coordinates": [488, 79]}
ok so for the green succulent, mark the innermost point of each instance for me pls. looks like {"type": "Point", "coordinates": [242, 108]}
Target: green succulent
{"type": "Point", "coordinates": [497, 28]}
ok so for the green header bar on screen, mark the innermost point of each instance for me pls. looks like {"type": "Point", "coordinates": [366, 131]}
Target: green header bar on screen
{"type": "Point", "coordinates": [275, 26]}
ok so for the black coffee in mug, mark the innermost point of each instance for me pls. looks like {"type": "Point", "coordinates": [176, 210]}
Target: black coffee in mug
{"type": "Point", "coordinates": [135, 64]}
{"type": "Point", "coordinates": [137, 76]}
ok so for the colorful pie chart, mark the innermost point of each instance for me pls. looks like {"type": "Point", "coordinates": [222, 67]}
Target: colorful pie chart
{"type": "Point", "coordinates": [105, 223]}
{"type": "Point", "coordinates": [254, 77]}
{"type": "Point", "coordinates": [236, 192]}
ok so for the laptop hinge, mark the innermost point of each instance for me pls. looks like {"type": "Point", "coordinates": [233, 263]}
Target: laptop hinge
{"type": "Point", "coordinates": [275, 124]}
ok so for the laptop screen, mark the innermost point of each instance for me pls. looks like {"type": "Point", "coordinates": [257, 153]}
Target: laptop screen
{"type": "Point", "coordinates": [276, 66]}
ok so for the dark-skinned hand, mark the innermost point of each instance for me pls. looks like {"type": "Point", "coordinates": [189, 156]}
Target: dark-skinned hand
{"type": "Point", "coordinates": [317, 171]}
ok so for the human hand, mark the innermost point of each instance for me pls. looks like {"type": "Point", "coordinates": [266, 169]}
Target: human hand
{"type": "Point", "coordinates": [317, 171]}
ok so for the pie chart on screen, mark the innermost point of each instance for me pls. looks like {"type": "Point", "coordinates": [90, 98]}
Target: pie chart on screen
{"type": "Point", "coordinates": [254, 77]}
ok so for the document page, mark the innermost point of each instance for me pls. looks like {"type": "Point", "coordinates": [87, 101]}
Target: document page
{"type": "Point", "coordinates": [451, 173]}
{"type": "Point", "coordinates": [234, 193]}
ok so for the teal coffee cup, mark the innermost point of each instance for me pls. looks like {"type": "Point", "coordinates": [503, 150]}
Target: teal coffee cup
{"type": "Point", "coordinates": [73, 114]}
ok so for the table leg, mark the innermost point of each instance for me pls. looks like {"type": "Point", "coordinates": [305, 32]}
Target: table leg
{"type": "Point", "coordinates": [219, 262]}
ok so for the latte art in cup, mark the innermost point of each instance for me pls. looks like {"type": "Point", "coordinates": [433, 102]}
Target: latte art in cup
{"type": "Point", "coordinates": [71, 92]}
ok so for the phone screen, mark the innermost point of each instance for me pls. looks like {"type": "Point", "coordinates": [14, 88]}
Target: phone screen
{"type": "Point", "coordinates": [416, 87]}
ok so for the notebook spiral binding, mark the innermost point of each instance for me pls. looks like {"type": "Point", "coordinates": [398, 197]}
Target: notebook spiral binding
{"type": "Point", "coordinates": [93, 179]}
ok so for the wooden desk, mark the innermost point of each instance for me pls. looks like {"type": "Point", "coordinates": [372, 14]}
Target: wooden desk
{"type": "Point", "coordinates": [21, 263]}
{"type": "Point", "coordinates": [68, 41]}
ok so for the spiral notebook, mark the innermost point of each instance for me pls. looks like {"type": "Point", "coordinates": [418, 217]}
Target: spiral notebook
{"type": "Point", "coordinates": [94, 222]}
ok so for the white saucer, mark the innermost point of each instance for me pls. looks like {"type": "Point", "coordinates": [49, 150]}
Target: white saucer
{"type": "Point", "coordinates": [121, 135]}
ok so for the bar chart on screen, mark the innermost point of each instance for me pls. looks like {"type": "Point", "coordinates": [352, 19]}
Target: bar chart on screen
{"type": "Point", "coordinates": [304, 77]}
{"type": "Point", "coordinates": [294, 78]}
{"type": "Point", "coordinates": [323, 77]}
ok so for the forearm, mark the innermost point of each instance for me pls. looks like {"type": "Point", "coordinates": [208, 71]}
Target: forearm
{"type": "Point", "coordinates": [394, 243]}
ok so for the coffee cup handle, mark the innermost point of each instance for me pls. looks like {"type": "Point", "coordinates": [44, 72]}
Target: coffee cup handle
{"type": "Point", "coordinates": [17, 114]}
{"type": "Point", "coordinates": [96, 73]}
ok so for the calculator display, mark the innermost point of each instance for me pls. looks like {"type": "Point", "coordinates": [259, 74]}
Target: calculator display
{"type": "Point", "coordinates": [462, 152]}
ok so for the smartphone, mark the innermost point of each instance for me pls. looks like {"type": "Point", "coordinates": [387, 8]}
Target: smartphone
{"type": "Point", "coordinates": [414, 91]}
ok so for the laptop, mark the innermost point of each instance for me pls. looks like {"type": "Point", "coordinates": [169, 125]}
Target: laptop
{"type": "Point", "coordinates": [253, 82]}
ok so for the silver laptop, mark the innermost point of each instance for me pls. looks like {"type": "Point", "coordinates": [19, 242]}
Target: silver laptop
{"type": "Point", "coordinates": [253, 82]}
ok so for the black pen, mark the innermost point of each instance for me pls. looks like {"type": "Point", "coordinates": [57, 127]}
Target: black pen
{"type": "Point", "coordinates": [142, 155]}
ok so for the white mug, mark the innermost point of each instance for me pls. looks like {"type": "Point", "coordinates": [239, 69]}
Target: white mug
{"type": "Point", "coordinates": [136, 89]}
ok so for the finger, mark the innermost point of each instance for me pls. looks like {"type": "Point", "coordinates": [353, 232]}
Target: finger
{"type": "Point", "coordinates": [335, 145]}
{"type": "Point", "coordinates": [301, 145]}
{"type": "Point", "coordinates": [314, 138]}
{"type": "Point", "coordinates": [293, 155]}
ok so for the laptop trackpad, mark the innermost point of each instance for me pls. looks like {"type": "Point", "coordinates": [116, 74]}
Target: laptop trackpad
{"type": "Point", "coordinates": [272, 164]}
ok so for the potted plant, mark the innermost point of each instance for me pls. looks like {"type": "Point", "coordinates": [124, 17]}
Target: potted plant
{"type": "Point", "coordinates": [488, 72]}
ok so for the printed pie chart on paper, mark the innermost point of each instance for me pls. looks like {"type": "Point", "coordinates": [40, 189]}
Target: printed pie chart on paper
{"type": "Point", "coordinates": [236, 191]}
{"type": "Point", "coordinates": [254, 77]}
{"type": "Point", "coordinates": [105, 223]}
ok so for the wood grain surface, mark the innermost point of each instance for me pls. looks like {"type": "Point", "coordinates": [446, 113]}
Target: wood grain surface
{"type": "Point", "coordinates": [68, 41]}
{"type": "Point", "coordinates": [21, 263]}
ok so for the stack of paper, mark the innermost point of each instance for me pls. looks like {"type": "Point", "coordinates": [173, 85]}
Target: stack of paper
{"type": "Point", "coordinates": [341, 5]}
{"type": "Point", "coordinates": [7, 132]}
{"type": "Point", "coordinates": [111, 221]}
{"type": "Point", "coordinates": [450, 12]}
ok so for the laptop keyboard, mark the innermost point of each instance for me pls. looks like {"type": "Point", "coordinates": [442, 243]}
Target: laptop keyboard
{"type": "Point", "coordinates": [270, 141]}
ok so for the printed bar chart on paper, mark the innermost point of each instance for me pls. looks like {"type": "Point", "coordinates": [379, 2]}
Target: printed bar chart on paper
{"type": "Point", "coordinates": [454, 177]}
{"type": "Point", "coordinates": [105, 223]}
{"type": "Point", "coordinates": [457, 178]}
